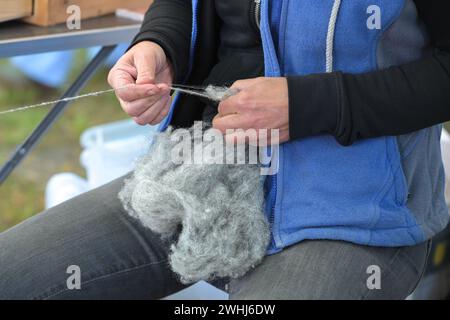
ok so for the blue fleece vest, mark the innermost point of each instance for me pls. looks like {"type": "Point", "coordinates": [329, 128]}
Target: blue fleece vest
{"type": "Point", "coordinates": [323, 190]}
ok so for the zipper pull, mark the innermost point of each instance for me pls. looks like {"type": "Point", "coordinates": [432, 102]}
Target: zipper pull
{"type": "Point", "coordinates": [258, 13]}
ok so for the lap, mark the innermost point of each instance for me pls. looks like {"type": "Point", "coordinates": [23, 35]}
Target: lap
{"type": "Point", "coordinates": [120, 259]}
{"type": "Point", "coordinates": [333, 270]}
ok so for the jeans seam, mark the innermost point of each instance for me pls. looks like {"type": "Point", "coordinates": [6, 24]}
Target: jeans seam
{"type": "Point", "coordinates": [104, 276]}
{"type": "Point", "coordinates": [424, 267]}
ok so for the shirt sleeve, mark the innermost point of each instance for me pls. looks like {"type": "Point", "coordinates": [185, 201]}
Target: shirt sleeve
{"type": "Point", "coordinates": [168, 23]}
{"type": "Point", "coordinates": [394, 101]}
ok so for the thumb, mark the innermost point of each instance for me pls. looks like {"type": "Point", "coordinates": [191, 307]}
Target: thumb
{"type": "Point", "coordinates": [146, 68]}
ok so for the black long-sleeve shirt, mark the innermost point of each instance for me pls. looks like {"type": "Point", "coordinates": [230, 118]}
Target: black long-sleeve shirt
{"type": "Point", "coordinates": [394, 101]}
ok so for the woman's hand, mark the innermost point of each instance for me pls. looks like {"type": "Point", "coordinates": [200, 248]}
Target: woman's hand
{"type": "Point", "coordinates": [147, 73]}
{"type": "Point", "coordinates": [262, 103]}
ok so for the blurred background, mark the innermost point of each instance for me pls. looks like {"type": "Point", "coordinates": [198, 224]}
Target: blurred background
{"type": "Point", "coordinates": [23, 194]}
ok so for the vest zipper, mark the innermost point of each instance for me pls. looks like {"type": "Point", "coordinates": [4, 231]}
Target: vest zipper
{"type": "Point", "coordinates": [255, 16]}
{"type": "Point", "coordinates": [257, 13]}
{"type": "Point", "coordinates": [273, 198]}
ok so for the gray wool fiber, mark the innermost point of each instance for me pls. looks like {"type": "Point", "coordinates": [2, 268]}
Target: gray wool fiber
{"type": "Point", "coordinates": [217, 93]}
{"type": "Point", "coordinates": [212, 213]}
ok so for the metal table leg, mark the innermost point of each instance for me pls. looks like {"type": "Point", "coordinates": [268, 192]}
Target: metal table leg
{"type": "Point", "coordinates": [23, 150]}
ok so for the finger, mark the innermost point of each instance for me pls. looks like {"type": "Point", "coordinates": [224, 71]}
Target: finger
{"type": "Point", "coordinates": [233, 104]}
{"type": "Point", "coordinates": [146, 68]}
{"type": "Point", "coordinates": [230, 122]}
{"type": "Point", "coordinates": [227, 107]}
{"type": "Point", "coordinates": [120, 77]}
{"type": "Point", "coordinates": [164, 112]}
{"type": "Point", "coordinates": [138, 107]}
{"type": "Point", "coordinates": [164, 86]}
{"type": "Point", "coordinates": [136, 92]}
{"type": "Point", "coordinates": [151, 113]}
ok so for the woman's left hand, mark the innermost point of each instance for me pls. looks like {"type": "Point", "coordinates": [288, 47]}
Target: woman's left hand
{"type": "Point", "coordinates": [262, 103]}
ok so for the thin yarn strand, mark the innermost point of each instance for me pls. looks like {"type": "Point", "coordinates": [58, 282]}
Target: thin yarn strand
{"type": "Point", "coordinates": [47, 103]}
{"type": "Point", "coordinates": [210, 92]}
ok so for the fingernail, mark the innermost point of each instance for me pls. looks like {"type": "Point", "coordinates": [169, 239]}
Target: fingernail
{"type": "Point", "coordinates": [162, 86]}
{"type": "Point", "coordinates": [153, 90]}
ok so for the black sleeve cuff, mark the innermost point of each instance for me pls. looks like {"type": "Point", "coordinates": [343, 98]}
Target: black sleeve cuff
{"type": "Point", "coordinates": [313, 105]}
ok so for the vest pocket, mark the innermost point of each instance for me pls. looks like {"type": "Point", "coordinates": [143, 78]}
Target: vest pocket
{"type": "Point", "coordinates": [326, 185]}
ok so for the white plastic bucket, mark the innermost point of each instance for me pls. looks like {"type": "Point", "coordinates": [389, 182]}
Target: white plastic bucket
{"type": "Point", "coordinates": [62, 187]}
{"type": "Point", "coordinates": [110, 151]}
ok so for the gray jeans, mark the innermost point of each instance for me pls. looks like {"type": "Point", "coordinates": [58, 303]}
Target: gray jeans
{"type": "Point", "coordinates": [119, 259]}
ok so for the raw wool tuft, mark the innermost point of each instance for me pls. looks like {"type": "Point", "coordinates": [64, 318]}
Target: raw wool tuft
{"type": "Point", "coordinates": [218, 94]}
{"type": "Point", "coordinates": [218, 208]}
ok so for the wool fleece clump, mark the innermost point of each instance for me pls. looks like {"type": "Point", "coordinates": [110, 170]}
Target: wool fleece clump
{"type": "Point", "coordinates": [212, 213]}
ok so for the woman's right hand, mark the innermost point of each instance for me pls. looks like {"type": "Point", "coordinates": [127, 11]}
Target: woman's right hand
{"type": "Point", "coordinates": [147, 73]}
